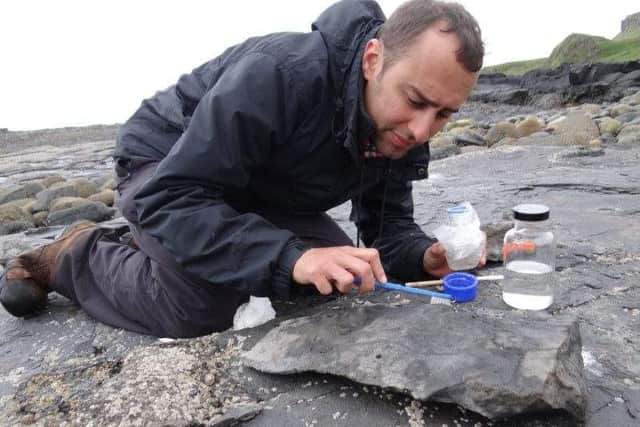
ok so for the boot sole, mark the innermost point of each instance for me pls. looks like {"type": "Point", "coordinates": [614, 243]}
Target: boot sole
{"type": "Point", "coordinates": [21, 297]}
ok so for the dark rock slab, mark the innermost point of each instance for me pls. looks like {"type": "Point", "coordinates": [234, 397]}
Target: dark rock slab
{"type": "Point", "coordinates": [571, 82]}
{"type": "Point", "coordinates": [497, 365]}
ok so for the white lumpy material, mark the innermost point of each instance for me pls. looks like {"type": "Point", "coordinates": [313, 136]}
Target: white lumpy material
{"type": "Point", "coordinates": [253, 313]}
{"type": "Point", "coordinates": [462, 238]}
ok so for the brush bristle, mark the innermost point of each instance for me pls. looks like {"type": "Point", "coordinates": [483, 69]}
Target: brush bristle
{"type": "Point", "coordinates": [436, 300]}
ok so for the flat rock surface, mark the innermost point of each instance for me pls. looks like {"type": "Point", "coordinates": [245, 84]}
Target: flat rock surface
{"type": "Point", "coordinates": [493, 362]}
{"type": "Point", "coordinates": [62, 366]}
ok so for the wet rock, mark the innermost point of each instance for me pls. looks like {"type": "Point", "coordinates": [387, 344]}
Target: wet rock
{"type": "Point", "coordinates": [630, 134]}
{"type": "Point", "coordinates": [60, 189]}
{"type": "Point", "coordinates": [631, 100]}
{"type": "Point", "coordinates": [496, 365]}
{"type": "Point", "coordinates": [547, 101]}
{"type": "Point", "coordinates": [539, 138]}
{"type": "Point", "coordinates": [592, 110]}
{"type": "Point", "coordinates": [67, 203]}
{"type": "Point", "coordinates": [528, 126]}
{"type": "Point", "coordinates": [84, 210]}
{"type": "Point", "coordinates": [40, 218]}
{"type": "Point", "coordinates": [11, 227]}
{"type": "Point", "coordinates": [108, 184]}
{"type": "Point", "coordinates": [16, 191]}
{"type": "Point", "coordinates": [462, 123]}
{"type": "Point", "coordinates": [25, 204]}
{"type": "Point", "coordinates": [627, 117]}
{"type": "Point", "coordinates": [84, 187]}
{"type": "Point", "coordinates": [52, 179]}
{"type": "Point", "coordinates": [607, 138]}
{"type": "Point", "coordinates": [575, 129]}
{"type": "Point", "coordinates": [608, 125]}
{"type": "Point", "coordinates": [443, 146]}
{"type": "Point", "coordinates": [499, 131]}
{"type": "Point", "coordinates": [620, 109]}
{"type": "Point", "coordinates": [105, 196]}
{"type": "Point", "coordinates": [458, 131]}
{"type": "Point", "coordinates": [470, 137]}
{"type": "Point", "coordinates": [444, 151]}
{"type": "Point", "coordinates": [13, 219]}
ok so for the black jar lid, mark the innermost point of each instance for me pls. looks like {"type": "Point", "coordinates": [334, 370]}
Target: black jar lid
{"type": "Point", "coordinates": [531, 212]}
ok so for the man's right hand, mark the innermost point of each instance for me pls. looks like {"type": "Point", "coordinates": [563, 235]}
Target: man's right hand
{"type": "Point", "coordinates": [326, 268]}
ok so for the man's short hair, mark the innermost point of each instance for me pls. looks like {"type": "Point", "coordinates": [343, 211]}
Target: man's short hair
{"type": "Point", "coordinates": [413, 17]}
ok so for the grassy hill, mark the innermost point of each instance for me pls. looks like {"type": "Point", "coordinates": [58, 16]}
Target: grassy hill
{"type": "Point", "coordinates": [579, 48]}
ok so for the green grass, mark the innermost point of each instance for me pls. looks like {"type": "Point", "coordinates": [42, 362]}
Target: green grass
{"type": "Point", "coordinates": [620, 50]}
{"type": "Point", "coordinates": [629, 34]}
{"type": "Point", "coordinates": [578, 48]}
{"type": "Point", "coordinates": [518, 67]}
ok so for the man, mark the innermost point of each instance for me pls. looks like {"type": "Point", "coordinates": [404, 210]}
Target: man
{"type": "Point", "coordinates": [226, 176]}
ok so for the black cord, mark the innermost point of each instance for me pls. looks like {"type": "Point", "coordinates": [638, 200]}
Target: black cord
{"type": "Point", "coordinates": [359, 205]}
{"type": "Point", "coordinates": [384, 200]}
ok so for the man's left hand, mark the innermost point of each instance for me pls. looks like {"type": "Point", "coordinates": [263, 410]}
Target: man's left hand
{"type": "Point", "coordinates": [435, 262]}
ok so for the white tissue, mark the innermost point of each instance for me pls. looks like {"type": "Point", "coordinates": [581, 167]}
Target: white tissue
{"type": "Point", "coordinates": [253, 313]}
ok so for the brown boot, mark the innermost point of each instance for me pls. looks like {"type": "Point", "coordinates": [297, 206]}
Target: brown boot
{"type": "Point", "coordinates": [25, 283]}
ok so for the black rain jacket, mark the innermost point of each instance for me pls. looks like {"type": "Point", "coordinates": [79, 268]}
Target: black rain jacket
{"type": "Point", "coordinates": [275, 122]}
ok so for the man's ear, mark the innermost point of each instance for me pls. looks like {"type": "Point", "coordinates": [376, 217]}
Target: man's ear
{"type": "Point", "coordinates": [372, 59]}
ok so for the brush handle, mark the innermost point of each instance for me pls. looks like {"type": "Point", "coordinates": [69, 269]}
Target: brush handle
{"type": "Point", "coordinates": [426, 283]}
{"type": "Point", "coordinates": [407, 290]}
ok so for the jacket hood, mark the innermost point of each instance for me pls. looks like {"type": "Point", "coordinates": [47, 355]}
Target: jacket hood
{"type": "Point", "coordinates": [345, 28]}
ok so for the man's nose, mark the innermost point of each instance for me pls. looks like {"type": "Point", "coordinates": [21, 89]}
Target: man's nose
{"type": "Point", "coordinates": [421, 125]}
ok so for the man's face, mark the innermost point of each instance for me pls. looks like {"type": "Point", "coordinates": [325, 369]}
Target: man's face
{"type": "Point", "coordinates": [414, 97]}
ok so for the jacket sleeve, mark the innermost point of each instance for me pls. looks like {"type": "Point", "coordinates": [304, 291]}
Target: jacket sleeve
{"type": "Point", "coordinates": [250, 109]}
{"type": "Point", "coordinates": [402, 243]}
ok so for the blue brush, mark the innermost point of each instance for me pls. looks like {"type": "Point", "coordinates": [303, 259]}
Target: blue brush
{"type": "Point", "coordinates": [401, 288]}
{"type": "Point", "coordinates": [436, 297]}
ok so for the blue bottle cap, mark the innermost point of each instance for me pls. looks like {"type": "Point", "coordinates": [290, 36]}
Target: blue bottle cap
{"type": "Point", "coordinates": [461, 286]}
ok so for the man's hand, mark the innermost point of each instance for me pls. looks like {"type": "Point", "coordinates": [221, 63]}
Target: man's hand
{"type": "Point", "coordinates": [326, 268]}
{"type": "Point", "coordinates": [435, 262]}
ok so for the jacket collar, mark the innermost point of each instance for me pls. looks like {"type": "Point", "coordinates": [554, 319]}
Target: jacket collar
{"type": "Point", "coordinates": [352, 124]}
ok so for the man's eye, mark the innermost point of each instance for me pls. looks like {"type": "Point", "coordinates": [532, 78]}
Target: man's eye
{"type": "Point", "coordinates": [415, 103]}
{"type": "Point", "coordinates": [444, 114]}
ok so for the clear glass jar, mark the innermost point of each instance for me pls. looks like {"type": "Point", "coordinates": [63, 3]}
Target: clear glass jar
{"type": "Point", "coordinates": [529, 255]}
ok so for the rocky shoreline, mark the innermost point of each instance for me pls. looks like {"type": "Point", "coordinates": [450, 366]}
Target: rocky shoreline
{"type": "Point", "coordinates": [61, 367]}
{"type": "Point", "coordinates": [30, 196]}
{"type": "Point", "coordinates": [566, 84]}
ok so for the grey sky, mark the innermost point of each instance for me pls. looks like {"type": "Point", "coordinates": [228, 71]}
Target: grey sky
{"type": "Point", "coordinates": [79, 62]}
